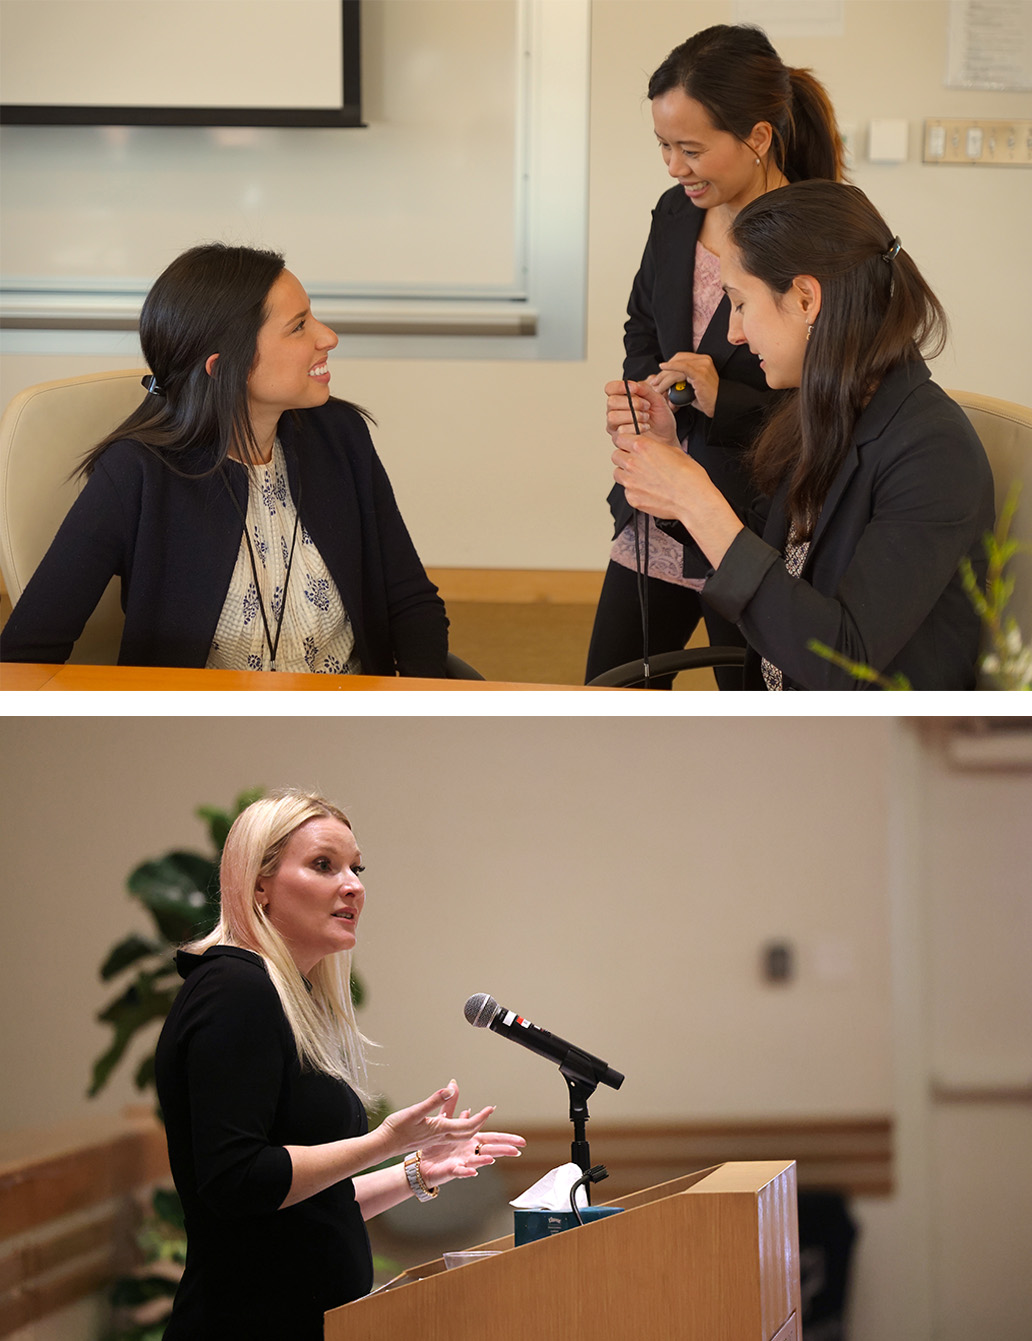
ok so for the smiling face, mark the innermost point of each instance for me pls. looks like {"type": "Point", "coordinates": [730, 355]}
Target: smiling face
{"type": "Point", "coordinates": [315, 897]}
{"type": "Point", "coordinates": [289, 371]}
{"type": "Point", "coordinates": [712, 165]}
{"type": "Point", "coordinates": [773, 325]}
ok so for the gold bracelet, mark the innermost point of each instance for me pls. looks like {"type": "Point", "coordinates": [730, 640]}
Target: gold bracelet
{"type": "Point", "coordinates": [414, 1174]}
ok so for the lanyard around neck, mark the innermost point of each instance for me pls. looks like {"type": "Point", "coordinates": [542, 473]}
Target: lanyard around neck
{"type": "Point", "coordinates": [273, 643]}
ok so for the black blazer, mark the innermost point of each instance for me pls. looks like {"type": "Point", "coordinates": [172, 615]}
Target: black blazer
{"type": "Point", "coordinates": [173, 541]}
{"type": "Point", "coordinates": [880, 584]}
{"type": "Point", "coordinates": [659, 325]}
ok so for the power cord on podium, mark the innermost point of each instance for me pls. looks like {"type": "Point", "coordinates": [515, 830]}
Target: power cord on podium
{"type": "Point", "coordinates": [593, 1175]}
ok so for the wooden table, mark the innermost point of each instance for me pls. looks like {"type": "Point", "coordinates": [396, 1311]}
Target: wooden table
{"type": "Point", "coordinates": [26, 676]}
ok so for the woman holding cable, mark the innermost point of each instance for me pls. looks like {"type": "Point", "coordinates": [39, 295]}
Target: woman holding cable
{"type": "Point", "coordinates": [732, 122]}
{"type": "Point", "coordinates": [871, 485]}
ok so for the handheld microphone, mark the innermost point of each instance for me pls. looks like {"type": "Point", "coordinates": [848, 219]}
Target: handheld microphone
{"type": "Point", "coordinates": [681, 393]}
{"type": "Point", "coordinates": [484, 1012]}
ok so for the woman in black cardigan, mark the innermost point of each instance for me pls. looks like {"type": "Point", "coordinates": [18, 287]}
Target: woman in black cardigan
{"type": "Point", "coordinates": [874, 484]}
{"type": "Point", "coordinates": [244, 509]}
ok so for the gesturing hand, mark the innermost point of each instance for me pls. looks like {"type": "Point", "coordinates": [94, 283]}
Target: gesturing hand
{"type": "Point", "coordinates": [467, 1160]}
{"type": "Point", "coordinates": [431, 1126]}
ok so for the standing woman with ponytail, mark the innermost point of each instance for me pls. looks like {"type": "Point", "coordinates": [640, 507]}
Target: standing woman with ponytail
{"type": "Point", "coordinates": [874, 484]}
{"type": "Point", "coordinates": [732, 122]}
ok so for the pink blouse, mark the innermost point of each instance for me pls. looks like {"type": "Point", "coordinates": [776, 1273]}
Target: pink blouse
{"type": "Point", "coordinates": [665, 554]}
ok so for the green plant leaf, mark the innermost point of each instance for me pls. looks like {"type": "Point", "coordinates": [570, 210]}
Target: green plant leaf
{"type": "Point", "coordinates": [179, 892]}
{"type": "Point", "coordinates": [138, 1332]}
{"type": "Point", "coordinates": [139, 1001]}
{"type": "Point", "coordinates": [857, 669]}
{"type": "Point", "coordinates": [247, 798]}
{"type": "Point", "coordinates": [127, 952]}
{"type": "Point", "coordinates": [168, 1207]}
{"type": "Point", "coordinates": [144, 1078]}
{"type": "Point", "coordinates": [130, 1291]}
{"type": "Point", "coordinates": [138, 1005]}
{"type": "Point", "coordinates": [218, 823]}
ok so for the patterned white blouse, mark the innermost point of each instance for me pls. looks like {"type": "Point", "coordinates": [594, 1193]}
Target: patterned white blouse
{"type": "Point", "coordinates": [795, 560]}
{"type": "Point", "coordinates": [316, 634]}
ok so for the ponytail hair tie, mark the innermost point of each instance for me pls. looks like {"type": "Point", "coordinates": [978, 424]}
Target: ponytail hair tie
{"type": "Point", "coordinates": [151, 384]}
{"type": "Point", "coordinates": [893, 251]}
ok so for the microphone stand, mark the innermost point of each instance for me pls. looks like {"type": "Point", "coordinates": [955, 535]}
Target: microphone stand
{"type": "Point", "coordinates": [582, 1080]}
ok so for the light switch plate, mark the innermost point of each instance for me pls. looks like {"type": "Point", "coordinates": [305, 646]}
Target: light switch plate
{"type": "Point", "coordinates": [998, 144]}
{"type": "Point", "coordinates": [887, 141]}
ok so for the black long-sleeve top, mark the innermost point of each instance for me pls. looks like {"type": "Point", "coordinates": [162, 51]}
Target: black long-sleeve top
{"type": "Point", "coordinates": [233, 1095]}
{"type": "Point", "coordinates": [173, 542]}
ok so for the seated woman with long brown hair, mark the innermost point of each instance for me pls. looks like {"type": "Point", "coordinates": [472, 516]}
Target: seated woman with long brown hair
{"type": "Point", "coordinates": [872, 484]}
{"type": "Point", "coordinates": [244, 509]}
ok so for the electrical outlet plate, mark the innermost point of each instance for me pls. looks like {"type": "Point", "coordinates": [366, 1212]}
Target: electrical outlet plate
{"type": "Point", "coordinates": [997, 144]}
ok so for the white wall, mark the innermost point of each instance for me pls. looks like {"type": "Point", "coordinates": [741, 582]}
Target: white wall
{"type": "Point", "coordinates": [505, 464]}
{"type": "Point", "coordinates": [976, 900]}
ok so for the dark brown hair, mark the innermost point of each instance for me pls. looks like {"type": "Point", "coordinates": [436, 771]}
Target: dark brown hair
{"type": "Point", "coordinates": [211, 300]}
{"type": "Point", "coordinates": [876, 312]}
{"type": "Point", "coordinates": [738, 77]}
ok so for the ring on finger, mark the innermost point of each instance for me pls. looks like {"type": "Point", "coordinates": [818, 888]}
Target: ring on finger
{"type": "Point", "coordinates": [476, 1150]}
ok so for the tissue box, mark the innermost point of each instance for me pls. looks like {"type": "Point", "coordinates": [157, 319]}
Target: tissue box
{"type": "Point", "coordinates": [533, 1225]}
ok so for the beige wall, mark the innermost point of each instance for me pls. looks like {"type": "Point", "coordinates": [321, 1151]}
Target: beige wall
{"type": "Point", "coordinates": [614, 880]}
{"type": "Point", "coordinates": [505, 464]}
{"type": "Point", "coordinates": [512, 856]}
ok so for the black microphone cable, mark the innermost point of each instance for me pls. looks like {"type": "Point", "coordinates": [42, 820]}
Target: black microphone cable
{"type": "Point", "coordinates": [594, 1175]}
{"type": "Point", "coordinates": [642, 576]}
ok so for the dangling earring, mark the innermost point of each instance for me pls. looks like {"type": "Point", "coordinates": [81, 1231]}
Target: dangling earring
{"type": "Point", "coordinates": [809, 330]}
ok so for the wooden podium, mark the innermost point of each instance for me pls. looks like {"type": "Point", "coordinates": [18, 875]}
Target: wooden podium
{"type": "Point", "coordinates": [713, 1256]}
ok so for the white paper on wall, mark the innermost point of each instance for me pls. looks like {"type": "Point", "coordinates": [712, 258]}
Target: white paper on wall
{"type": "Point", "coordinates": [990, 44]}
{"type": "Point", "coordinates": [793, 18]}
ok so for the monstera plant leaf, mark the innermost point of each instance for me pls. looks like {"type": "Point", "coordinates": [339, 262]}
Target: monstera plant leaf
{"type": "Point", "coordinates": [126, 953]}
{"type": "Point", "coordinates": [180, 891]}
{"type": "Point", "coordinates": [141, 1002]}
{"type": "Point", "coordinates": [219, 821]}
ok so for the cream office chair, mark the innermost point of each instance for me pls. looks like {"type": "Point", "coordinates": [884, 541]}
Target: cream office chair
{"type": "Point", "coordinates": [1006, 433]}
{"type": "Point", "coordinates": [44, 433]}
